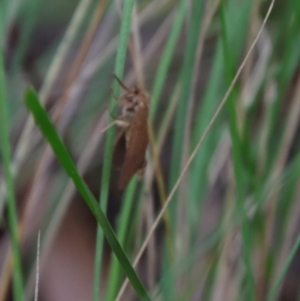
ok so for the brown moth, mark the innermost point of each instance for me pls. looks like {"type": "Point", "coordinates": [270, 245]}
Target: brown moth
{"type": "Point", "coordinates": [132, 141]}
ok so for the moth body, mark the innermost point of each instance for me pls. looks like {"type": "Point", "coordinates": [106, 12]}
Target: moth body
{"type": "Point", "coordinates": [132, 141]}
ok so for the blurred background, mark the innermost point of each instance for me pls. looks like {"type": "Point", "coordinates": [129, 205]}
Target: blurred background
{"type": "Point", "coordinates": [231, 231]}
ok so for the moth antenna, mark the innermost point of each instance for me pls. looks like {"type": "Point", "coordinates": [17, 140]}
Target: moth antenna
{"type": "Point", "coordinates": [121, 83]}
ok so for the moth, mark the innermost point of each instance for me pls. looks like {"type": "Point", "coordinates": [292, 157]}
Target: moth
{"type": "Point", "coordinates": [132, 141]}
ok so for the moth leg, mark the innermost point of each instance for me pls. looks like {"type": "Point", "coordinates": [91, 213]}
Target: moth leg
{"type": "Point", "coordinates": [108, 126]}
{"type": "Point", "coordinates": [121, 123]}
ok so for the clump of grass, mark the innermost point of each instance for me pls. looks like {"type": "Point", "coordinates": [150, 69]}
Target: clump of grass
{"type": "Point", "coordinates": [234, 216]}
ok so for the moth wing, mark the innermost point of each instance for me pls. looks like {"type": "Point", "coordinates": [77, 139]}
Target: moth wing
{"type": "Point", "coordinates": [135, 158]}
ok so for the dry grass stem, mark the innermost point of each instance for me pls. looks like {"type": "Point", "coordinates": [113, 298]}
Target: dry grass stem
{"type": "Point", "coordinates": [220, 107]}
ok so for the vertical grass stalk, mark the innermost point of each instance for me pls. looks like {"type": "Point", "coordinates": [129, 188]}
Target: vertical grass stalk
{"type": "Point", "coordinates": [11, 202]}
{"type": "Point", "coordinates": [104, 189]}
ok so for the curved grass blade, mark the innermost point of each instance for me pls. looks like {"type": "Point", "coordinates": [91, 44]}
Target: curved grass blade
{"type": "Point", "coordinates": [50, 134]}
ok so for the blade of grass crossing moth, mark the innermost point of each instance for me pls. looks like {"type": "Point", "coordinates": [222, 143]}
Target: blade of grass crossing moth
{"type": "Point", "coordinates": [50, 134]}
{"type": "Point", "coordinates": [167, 57]}
{"type": "Point", "coordinates": [18, 288]}
{"type": "Point", "coordinates": [104, 189]}
{"type": "Point", "coordinates": [237, 149]}
{"type": "Point", "coordinates": [99, 249]}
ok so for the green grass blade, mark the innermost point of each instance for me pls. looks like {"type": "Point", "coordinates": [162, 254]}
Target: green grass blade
{"type": "Point", "coordinates": [199, 169]}
{"type": "Point", "coordinates": [167, 57]}
{"type": "Point", "coordinates": [119, 68]}
{"type": "Point", "coordinates": [11, 202]}
{"type": "Point", "coordinates": [98, 260]}
{"type": "Point", "coordinates": [286, 70]}
{"type": "Point", "coordinates": [115, 272]}
{"type": "Point", "coordinates": [50, 134]}
{"type": "Point", "coordinates": [237, 149]}
{"type": "Point", "coordinates": [186, 82]}
{"type": "Point", "coordinates": [230, 62]}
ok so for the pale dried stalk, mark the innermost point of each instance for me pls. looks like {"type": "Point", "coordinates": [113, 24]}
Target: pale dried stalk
{"type": "Point", "coordinates": [220, 107]}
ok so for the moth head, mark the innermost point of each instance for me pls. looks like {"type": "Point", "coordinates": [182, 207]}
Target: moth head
{"type": "Point", "coordinates": [133, 99]}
